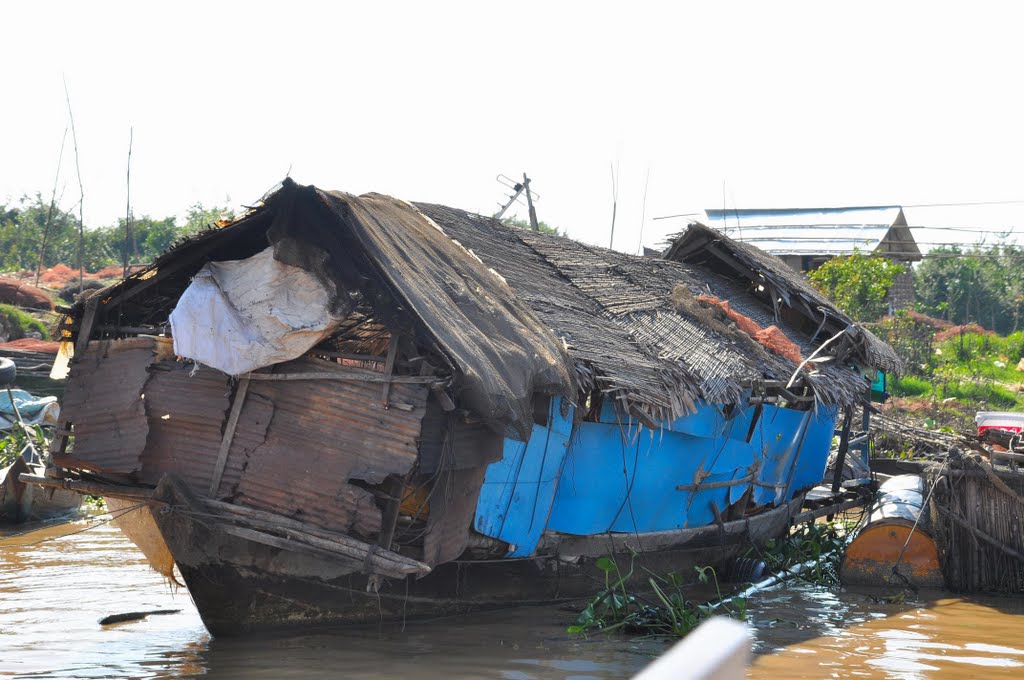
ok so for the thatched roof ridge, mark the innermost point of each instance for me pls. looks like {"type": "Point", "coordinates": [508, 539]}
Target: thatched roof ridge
{"type": "Point", "coordinates": [704, 246]}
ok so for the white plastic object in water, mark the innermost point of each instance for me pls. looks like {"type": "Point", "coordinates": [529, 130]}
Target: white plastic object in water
{"type": "Point", "coordinates": [718, 650]}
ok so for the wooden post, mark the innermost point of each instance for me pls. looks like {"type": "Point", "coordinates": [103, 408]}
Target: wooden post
{"type": "Point", "coordinates": [229, 434]}
{"type": "Point", "coordinates": [389, 368]}
{"type": "Point", "coordinates": [529, 203]}
{"type": "Point", "coordinates": [844, 445]}
{"type": "Point", "coordinates": [865, 423]}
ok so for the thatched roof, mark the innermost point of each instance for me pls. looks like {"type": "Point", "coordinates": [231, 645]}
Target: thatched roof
{"type": "Point", "coordinates": [616, 314]}
{"type": "Point", "coordinates": [501, 332]}
{"type": "Point", "coordinates": [702, 246]}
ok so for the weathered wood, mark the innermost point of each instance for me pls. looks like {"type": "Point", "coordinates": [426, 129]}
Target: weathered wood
{"type": "Point", "coordinates": [811, 515]}
{"type": "Point", "coordinates": [346, 355]}
{"type": "Point", "coordinates": [139, 493]}
{"type": "Point", "coordinates": [137, 330]}
{"type": "Point", "coordinates": [389, 368]}
{"type": "Point", "coordinates": [345, 375]}
{"type": "Point", "coordinates": [229, 435]}
{"type": "Point", "coordinates": [347, 545]}
{"type": "Point", "coordinates": [85, 328]}
{"type": "Point", "coordinates": [373, 559]}
{"type": "Point", "coordinates": [844, 445]}
{"type": "Point", "coordinates": [701, 486]}
{"type": "Point", "coordinates": [982, 535]}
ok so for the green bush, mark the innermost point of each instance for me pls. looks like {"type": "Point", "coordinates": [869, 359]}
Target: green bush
{"type": "Point", "coordinates": [20, 324]}
{"type": "Point", "coordinates": [910, 386]}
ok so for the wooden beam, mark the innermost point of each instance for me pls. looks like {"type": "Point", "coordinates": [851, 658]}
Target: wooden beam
{"type": "Point", "coordinates": [389, 368]}
{"type": "Point", "coordinates": [346, 375]}
{"type": "Point", "coordinates": [229, 434]}
{"type": "Point", "coordinates": [135, 493]}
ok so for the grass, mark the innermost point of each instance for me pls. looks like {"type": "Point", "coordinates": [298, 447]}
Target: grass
{"type": "Point", "coordinates": [910, 386]}
{"type": "Point", "coordinates": [20, 323]}
{"type": "Point", "coordinates": [974, 371]}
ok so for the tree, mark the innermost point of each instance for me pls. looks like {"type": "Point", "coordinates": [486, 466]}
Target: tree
{"type": "Point", "coordinates": [21, 234]}
{"type": "Point", "coordinates": [857, 283]}
{"type": "Point", "coordinates": [986, 287]}
{"type": "Point", "coordinates": [199, 218]}
{"type": "Point", "coordinates": [543, 227]}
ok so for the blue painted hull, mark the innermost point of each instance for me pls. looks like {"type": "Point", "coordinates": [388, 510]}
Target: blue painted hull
{"type": "Point", "coordinates": [614, 476]}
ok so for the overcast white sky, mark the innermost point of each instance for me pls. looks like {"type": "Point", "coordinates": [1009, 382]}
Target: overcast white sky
{"type": "Point", "coordinates": [725, 104]}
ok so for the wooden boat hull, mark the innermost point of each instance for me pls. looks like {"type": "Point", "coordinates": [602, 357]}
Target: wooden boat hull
{"type": "Point", "coordinates": [20, 502]}
{"type": "Point", "coordinates": [240, 586]}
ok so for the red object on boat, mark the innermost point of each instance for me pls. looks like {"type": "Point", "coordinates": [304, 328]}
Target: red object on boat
{"type": "Point", "coordinates": [1001, 420]}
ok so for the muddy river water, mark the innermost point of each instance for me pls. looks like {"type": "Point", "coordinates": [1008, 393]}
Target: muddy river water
{"type": "Point", "coordinates": [53, 592]}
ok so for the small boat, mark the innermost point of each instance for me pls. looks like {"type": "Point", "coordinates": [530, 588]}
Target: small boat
{"type": "Point", "coordinates": [341, 408]}
{"type": "Point", "coordinates": [20, 502]}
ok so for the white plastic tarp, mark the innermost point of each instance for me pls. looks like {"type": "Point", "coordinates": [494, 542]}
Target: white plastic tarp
{"type": "Point", "coordinates": [242, 315]}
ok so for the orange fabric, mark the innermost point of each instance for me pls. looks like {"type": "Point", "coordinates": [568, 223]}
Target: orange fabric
{"type": "Point", "coordinates": [776, 341]}
{"type": "Point", "coordinates": [772, 338]}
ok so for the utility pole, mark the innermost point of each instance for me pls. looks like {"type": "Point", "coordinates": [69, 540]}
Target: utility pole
{"type": "Point", "coordinates": [529, 203]}
{"type": "Point", "coordinates": [518, 189]}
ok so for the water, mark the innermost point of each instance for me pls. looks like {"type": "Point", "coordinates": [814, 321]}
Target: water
{"type": "Point", "coordinates": [52, 595]}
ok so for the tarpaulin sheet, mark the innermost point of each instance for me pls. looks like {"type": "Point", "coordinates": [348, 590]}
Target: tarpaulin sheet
{"type": "Point", "coordinates": [34, 410]}
{"type": "Point", "coordinates": [240, 315]}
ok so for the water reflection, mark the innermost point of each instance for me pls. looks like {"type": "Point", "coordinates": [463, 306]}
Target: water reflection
{"type": "Point", "coordinates": [857, 635]}
{"type": "Point", "coordinates": [52, 595]}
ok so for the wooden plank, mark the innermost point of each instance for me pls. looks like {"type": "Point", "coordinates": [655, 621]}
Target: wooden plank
{"type": "Point", "coordinates": [346, 375]}
{"type": "Point", "coordinates": [138, 493]}
{"type": "Point", "coordinates": [389, 368]}
{"type": "Point", "coordinates": [811, 515]}
{"type": "Point", "coordinates": [272, 521]}
{"type": "Point", "coordinates": [229, 434]}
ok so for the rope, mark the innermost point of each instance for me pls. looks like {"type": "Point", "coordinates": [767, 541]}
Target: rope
{"type": "Point", "coordinates": [121, 513]}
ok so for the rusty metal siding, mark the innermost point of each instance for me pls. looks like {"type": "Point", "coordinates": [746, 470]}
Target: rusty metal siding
{"type": "Point", "coordinates": [186, 415]}
{"type": "Point", "coordinates": [323, 434]}
{"type": "Point", "coordinates": [251, 432]}
{"type": "Point", "coordinates": [103, 401]}
{"type": "Point", "coordinates": [453, 502]}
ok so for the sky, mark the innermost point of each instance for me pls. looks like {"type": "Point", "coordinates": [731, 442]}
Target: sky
{"type": "Point", "coordinates": [689, 105]}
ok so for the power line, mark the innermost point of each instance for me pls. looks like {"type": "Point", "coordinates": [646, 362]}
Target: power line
{"type": "Point", "coordinates": [962, 203]}
{"type": "Point", "coordinates": [874, 227]}
{"type": "Point", "coordinates": [955, 204]}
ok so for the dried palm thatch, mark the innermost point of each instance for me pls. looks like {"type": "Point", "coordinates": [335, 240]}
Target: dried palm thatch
{"type": "Point", "coordinates": [786, 290]}
{"type": "Point", "coordinates": [506, 312]}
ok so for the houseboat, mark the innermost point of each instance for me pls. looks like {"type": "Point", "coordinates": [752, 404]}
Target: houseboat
{"type": "Point", "coordinates": [339, 408]}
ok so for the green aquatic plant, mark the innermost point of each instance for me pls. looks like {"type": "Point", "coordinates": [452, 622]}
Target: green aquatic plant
{"type": "Point", "coordinates": [15, 441]}
{"type": "Point", "coordinates": [823, 543]}
{"type": "Point", "coordinates": [664, 611]}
